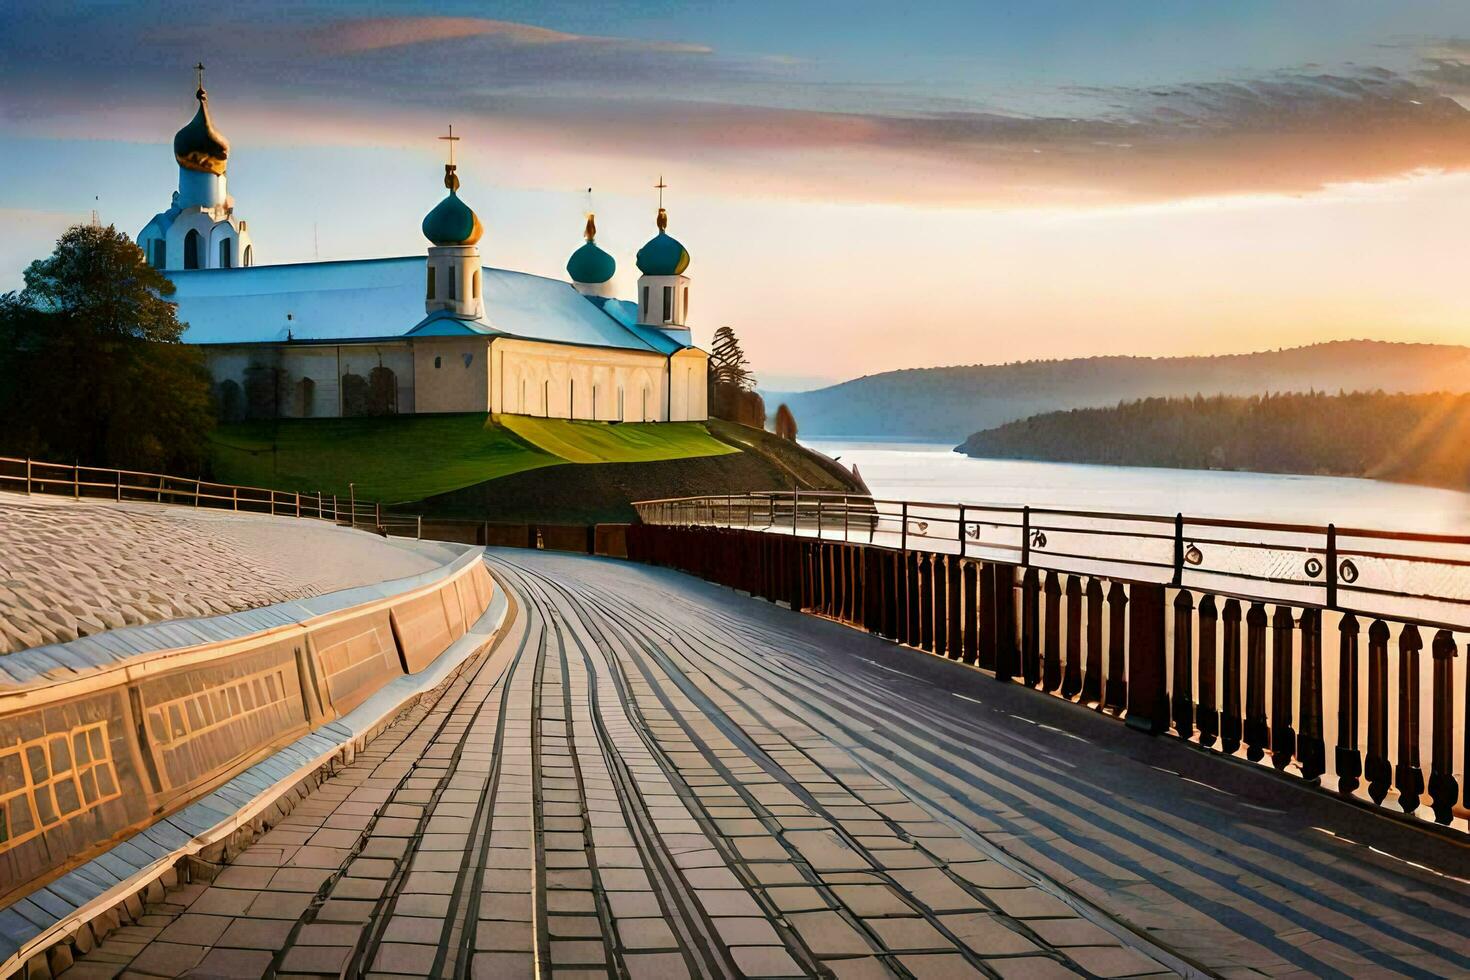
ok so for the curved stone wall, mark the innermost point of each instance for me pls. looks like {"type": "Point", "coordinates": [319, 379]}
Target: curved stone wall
{"type": "Point", "coordinates": [92, 752]}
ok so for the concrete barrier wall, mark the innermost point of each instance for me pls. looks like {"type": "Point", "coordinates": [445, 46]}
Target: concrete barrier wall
{"type": "Point", "coordinates": [86, 759]}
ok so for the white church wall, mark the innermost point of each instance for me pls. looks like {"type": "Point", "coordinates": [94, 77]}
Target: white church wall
{"type": "Point", "coordinates": [560, 381]}
{"type": "Point", "coordinates": [323, 366]}
{"type": "Point", "coordinates": [689, 386]}
{"type": "Point", "coordinates": [451, 374]}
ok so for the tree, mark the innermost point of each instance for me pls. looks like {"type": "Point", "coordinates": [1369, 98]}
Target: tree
{"type": "Point", "coordinates": [91, 366]}
{"type": "Point", "coordinates": [785, 423]}
{"type": "Point", "coordinates": [732, 392]}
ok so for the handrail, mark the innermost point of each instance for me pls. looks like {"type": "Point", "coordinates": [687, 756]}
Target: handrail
{"type": "Point", "coordinates": [1316, 565]}
{"type": "Point", "coordinates": [164, 488]}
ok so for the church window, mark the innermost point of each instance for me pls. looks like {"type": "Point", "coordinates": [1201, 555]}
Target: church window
{"type": "Point", "coordinates": [160, 253]}
{"type": "Point", "coordinates": [643, 306]}
{"type": "Point", "coordinates": [430, 292]}
{"type": "Point", "coordinates": [437, 361]}
{"type": "Point", "coordinates": [191, 249]}
{"type": "Point", "coordinates": [685, 318]}
{"type": "Point", "coordinates": [477, 284]}
{"type": "Point", "coordinates": [224, 253]}
{"type": "Point", "coordinates": [668, 303]}
{"type": "Point", "coordinates": [452, 289]}
{"type": "Point", "coordinates": [249, 257]}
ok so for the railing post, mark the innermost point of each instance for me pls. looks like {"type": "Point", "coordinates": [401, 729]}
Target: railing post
{"type": "Point", "coordinates": [76, 482]}
{"type": "Point", "coordinates": [118, 474]}
{"type": "Point", "coordinates": [28, 476]}
{"type": "Point", "coordinates": [1332, 566]}
{"type": "Point", "coordinates": [795, 508]}
{"type": "Point", "coordinates": [1178, 549]}
{"type": "Point", "coordinates": [819, 518]}
{"type": "Point", "coordinates": [419, 534]}
{"type": "Point", "coordinates": [1148, 696]}
{"type": "Point", "coordinates": [962, 530]}
{"type": "Point", "coordinates": [298, 504]}
{"type": "Point", "coordinates": [903, 534]}
{"type": "Point", "coordinates": [352, 503]}
{"type": "Point", "coordinates": [377, 515]}
{"type": "Point", "coordinates": [196, 493]}
{"type": "Point", "coordinates": [1025, 537]}
{"type": "Point", "coordinates": [235, 493]}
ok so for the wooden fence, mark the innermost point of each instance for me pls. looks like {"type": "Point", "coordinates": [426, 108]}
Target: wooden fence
{"type": "Point", "coordinates": [1237, 668]}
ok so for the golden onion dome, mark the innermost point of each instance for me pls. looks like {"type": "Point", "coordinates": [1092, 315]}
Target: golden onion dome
{"type": "Point", "coordinates": [199, 146]}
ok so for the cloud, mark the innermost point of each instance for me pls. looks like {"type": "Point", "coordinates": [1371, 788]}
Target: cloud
{"type": "Point", "coordinates": [759, 121]}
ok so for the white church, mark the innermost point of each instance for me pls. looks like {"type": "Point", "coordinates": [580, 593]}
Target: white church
{"type": "Point", "coordinates": [420, 334]}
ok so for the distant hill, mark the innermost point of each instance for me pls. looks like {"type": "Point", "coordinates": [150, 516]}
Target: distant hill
{"type": "Point", "coordinates": [950, 403]}
{"type": "Point", "coordinates": [1409, 438]}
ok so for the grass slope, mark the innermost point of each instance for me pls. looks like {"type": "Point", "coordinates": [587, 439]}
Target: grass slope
{"type": "Point", "coordinates": [628, 442]}
{"type": "Point", "coordinates": [408, 458]}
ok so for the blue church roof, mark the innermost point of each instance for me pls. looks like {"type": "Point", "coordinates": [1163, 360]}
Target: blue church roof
{"type": "Point", "coordinates": [383, 300]}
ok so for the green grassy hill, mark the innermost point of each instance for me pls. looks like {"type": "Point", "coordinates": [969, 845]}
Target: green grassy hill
{"type": "Point", "coordinates": [410, 457]}
{"type": "Point", "coordinates": [491, 467]}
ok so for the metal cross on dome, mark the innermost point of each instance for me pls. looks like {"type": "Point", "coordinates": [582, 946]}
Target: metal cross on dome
{"type": "Point", "coordinates": [660, 187]}
{"type": "Point", "coordinates": [451, 139]}
{"type": "Point", "coordinates": [199, 74]}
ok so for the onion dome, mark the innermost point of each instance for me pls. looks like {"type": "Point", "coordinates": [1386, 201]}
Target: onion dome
{"type": "Point", "coordinates": [199, 146]}
{"type": "Point", "coordinates": [589, 264]}
{"type": "Point", "coordinates": [452, 221]}
{"type": "Point", "coordinates": [663, 255]}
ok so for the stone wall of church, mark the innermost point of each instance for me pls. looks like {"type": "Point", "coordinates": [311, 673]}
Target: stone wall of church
{"type": "Point", "coordinates": [563, 381]}
{"type": "Point", "coordinates": [278, 381]}
{"type": "Point", "coordinates": [451, 374]}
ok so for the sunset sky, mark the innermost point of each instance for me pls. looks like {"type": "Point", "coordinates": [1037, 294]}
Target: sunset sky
{"type": "Point", "coordinates": [861, 186]}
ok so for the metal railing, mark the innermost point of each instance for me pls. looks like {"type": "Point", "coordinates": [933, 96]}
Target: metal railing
{"type": "Point", "coordinates": [1210, 629]}
{"type": "Point", "coordinates": [33, 476]}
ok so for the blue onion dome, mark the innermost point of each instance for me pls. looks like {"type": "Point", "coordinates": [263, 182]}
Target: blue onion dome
{"type": "Point", "coordinates": [452, 221]}
{"type": "Point", "coordinates": [589, 264]}
{"type": "Point", "coordinates": [663, 255]}
{"type": "Point", "coordinates": [199, 146]}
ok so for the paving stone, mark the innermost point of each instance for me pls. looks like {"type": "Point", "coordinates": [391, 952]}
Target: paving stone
{"type": "Point", "coordinates": [234, 964]}
{"type": "Point", "coordinates": [647, 933]}
{"type": "Point", "coordinates": [410, 958]}
{"type": "Point", "coordinates": [502, 966]}
{"type": "Point", "coordinates": [1029, 903]}
{"type": "Point", "coordinates": [577, 951]}
{"type": "Point", "coordinates": [908, 933]}
{"type": "Point", "coordinates": [503, 936]}
{"type": "Point", "coordinates": [168, 959]}
{"type": "Point", "coordinates": [828, 934]}
{"type": "Point", "coordinates": [746, 931]}
{"type": "Point", "coordinates": [656, 966]}
{"type": "Point", "coordinates": [765, 961]}
{"type": "Point", "coordinates": [1112, 961]}
{"type": "Point", "coordinates": [413, 929]}
{"type": "Point", "coordinates": [941, 966]}
{"type": "Point", "coordinates": [194, 929]}
{"type": "Point", "coordinates": [1030, 968]}
{"type": "Point", "coordinates": [796, 898]}
{"type": "Point", "coordinates": [270, 934]}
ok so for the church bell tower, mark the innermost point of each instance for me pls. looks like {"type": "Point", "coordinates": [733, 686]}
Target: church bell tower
{"type": "Point", "coordinates": [453, 230]}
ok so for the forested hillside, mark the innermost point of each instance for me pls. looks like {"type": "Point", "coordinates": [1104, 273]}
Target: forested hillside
{"type": "Point", "coordinates": [1411, 438]}
{"type": "Point", "coordinates": [951, 402]}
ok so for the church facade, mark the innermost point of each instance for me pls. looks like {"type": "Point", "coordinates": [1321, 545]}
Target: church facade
{"type": "Point", "coordinates": [434, 333]}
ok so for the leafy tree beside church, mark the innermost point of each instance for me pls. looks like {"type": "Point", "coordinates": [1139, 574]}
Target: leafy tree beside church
{"type": "Point", "coordinates": [91, 367]}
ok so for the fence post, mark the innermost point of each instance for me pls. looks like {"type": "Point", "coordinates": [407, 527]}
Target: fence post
{"type": "Point", "coordinates": [795, 507]}
{"type": "Point", "coordinates": [846, 514]}
{"type": "Point", "coordinates": [1178, 549]}
{"type": "Point", "coordinates": [1332, 566]}
{"type": "Point", "coordinates": [1148, 697]}
{"type": "Point", "coordinates": [196, 493]}
{"type": "Point", "coordinates": [819, 518]}
{"type": "Point", "coordinates": [298, 503]}
{"type": "Point", "coordinates": [76, 481]}
{"type": "Point", "coordinates": [903, 534]}
{"type": "Point", "coordinates": [419, 534]}
{"type": "Point", "coordinates": [235, 494]}
{"type": "Point", "coordinates": [118, 474]}
{"type": "Point", "coordinates": [962, 530]}
{"type": "Point", "coordinates": [377, 515]}
{"type": "Point", "coordinates": [1025, 536]}
{"type": "Point", "coordinates": [352, 504]}
{"type": "Point", "coordinates": [28, 476]}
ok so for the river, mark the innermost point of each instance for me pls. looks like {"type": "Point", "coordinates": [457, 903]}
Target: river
{"type": "Point", "coordinates": [934, 472]}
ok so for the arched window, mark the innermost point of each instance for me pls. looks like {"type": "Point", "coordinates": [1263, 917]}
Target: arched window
{"type": "Point", "coordinates": [643, 306]}
{"type": "Point", "coordinates": [668, 303]}
{"type": "Point", "coordinates": [437, 363]}
{"type": "Point", "coordinates": [226, 253]}
{"type": "Point", "coordinates": [452, 290]}
{"type": "Point", "coordinates": [686, 305]}
{"type": "Point", "coordinates": [249, 257]}
{"type": "Point", "coordinates": [191, 249]}
{"type": "Point", "coordinates": [160, 253]}
{"type": "Point", "coordinates": [429, 292]}
{"type": "Point", "coordinates": [477, 284]}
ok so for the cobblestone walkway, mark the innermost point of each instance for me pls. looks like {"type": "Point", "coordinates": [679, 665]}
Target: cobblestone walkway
{"type": "Point", "coordinates": [650, 777]}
